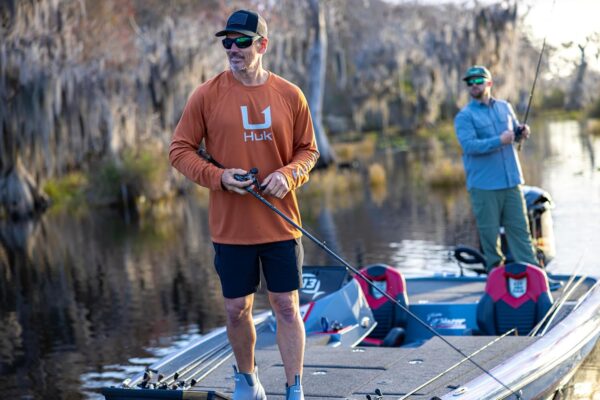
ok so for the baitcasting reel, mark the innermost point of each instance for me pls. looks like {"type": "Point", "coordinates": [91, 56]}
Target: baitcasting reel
{"type": "Point", "coordinates": [251, 175]}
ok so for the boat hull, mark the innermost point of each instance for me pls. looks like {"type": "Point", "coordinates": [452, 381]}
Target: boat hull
{"type": "Point", "coordinates": [547, 365]}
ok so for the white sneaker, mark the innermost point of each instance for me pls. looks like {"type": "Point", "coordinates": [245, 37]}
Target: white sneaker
{"type": "Point", "coordinates": [295, 391]}
{"type": "Point", "coordinates": [247, 386]}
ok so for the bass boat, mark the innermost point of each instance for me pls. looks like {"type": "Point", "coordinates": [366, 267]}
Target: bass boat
{"type": "Point", "coordinates": [515, 333]}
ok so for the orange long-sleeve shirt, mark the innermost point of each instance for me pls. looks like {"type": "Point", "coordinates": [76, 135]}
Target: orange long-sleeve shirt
{"type": "Point", "coordinates": [266, 126]}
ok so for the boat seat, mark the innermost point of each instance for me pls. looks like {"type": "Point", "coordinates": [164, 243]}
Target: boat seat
{"type": "Point", "coordinates": [516, 296]}
{"type": "Point", "coordinates": [390, 318]}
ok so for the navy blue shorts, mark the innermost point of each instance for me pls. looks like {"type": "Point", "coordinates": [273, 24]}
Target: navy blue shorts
{"type": "Point", "coordinates": [239, 267]}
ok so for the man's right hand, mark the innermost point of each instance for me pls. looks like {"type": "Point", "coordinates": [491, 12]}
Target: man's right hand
{"type": "Point", "coordinates": [231, 184]}
{"type": "Point", "coordinates": [507, 137]}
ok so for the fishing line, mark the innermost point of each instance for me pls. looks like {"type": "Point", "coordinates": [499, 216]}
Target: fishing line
{"type": "Point", "coordinates": [204, 154]}
{"type": "Point", "coordinates": [537, 72]}
{"type": "Point", "coordinates": [435, 378]}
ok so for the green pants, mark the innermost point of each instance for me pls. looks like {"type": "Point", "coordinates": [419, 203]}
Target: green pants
{"type": "Point", "coordinates": [503, 207]}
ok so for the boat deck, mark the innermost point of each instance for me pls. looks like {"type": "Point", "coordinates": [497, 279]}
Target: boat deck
{"type": "Point", "coordinates": [342, 373]}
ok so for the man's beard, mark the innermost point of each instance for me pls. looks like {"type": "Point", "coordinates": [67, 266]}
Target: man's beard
{"type": "Point", "coordinates": [237, 63]}
{"type": "Point", "coordinates": [477, 95]}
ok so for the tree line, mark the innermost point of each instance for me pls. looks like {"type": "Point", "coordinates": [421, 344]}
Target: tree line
{"type": "Point", "coordinates": [84, 81]}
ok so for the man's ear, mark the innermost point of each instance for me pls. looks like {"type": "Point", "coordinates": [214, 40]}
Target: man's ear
{"type": "Point", "coordinates": [490, 83]}
{"type": "Point", "coordinates": [263, 45]}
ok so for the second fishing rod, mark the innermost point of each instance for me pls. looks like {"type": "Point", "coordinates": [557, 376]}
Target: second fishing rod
{"type": "Point", "coordinates": [251, 175]}
{"type": "Point", "coordinates": [519, 131]}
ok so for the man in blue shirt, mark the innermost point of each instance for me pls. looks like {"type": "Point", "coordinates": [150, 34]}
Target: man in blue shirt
{"type": "Point", "coordinates": [486, 131]}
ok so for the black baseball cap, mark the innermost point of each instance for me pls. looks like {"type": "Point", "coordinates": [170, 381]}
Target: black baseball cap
{"type": "Point", "coordinates": [478, 71]}
{"type": "Point", "coordinates": [246, 22]}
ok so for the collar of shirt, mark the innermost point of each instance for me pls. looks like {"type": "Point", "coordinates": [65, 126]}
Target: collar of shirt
{"type": "Point", "coordinates": [477, 103]}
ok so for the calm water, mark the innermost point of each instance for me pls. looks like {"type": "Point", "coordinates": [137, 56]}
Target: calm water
{"type": "Point", "coordinates": [87, 300]}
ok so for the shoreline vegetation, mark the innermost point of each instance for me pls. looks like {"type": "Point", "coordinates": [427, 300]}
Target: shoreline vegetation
{"type": "Point", "coordinates": [138, 184]}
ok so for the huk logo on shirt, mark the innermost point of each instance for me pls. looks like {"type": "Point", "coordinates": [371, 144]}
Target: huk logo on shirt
{"type": "Point", "coordinates": [257, 132]}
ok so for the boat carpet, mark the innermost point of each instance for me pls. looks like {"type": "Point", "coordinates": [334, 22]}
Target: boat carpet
{"type": "Point", "coordinates": [444, 291]}
{"type": "Point", "coordinates": [342, 373]}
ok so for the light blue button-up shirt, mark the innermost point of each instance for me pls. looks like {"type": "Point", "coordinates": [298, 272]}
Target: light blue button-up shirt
{"type": "Point", "coordinates": [489, 164]}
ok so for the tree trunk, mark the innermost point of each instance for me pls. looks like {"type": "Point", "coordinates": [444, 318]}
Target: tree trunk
{"type": "Point", "coordinates": [575, 100]}
{"type": "Point", "coordinates": [19, 195]}
{"type": "Point", "coordinates": [317, 58]}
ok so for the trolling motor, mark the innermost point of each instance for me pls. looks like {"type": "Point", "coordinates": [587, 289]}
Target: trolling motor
{"type": "Point", "coordinates": [469, 258]}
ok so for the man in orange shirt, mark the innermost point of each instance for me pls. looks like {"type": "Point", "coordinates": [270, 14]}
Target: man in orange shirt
{"type": "Point", "coordinates": [249, 117]}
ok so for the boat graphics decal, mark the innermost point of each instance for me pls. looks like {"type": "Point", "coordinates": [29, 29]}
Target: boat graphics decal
{"type": "Point", "coordinates": [439, 321]}
{"type": "Point", "coordinates": [517, 287]}
{"type": "Point", "coordinates": [311, 285]}
{"type": "Point", "coordinates": [381, 285]}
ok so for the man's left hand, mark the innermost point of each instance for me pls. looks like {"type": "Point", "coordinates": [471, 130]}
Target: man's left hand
{"type": "Point", "coordinates": [275, 185]}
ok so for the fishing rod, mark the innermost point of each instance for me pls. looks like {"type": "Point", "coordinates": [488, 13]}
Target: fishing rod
{"type": "Point", "coordinates": [561, 303]}
{"type": "Point", "coordinates": [183, 375]}
{"type": "Point", "coordinates": [202, 373]}
{"type": "Point", "coordinates": [252, 176]}
{"type": "Point", "coordinates": [566, 292]}
{"type": "Point", "coordinates": [179, 375]}
{"type": "Point", "coordinates": [519, 130]}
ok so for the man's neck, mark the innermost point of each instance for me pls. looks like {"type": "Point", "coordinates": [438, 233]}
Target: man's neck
{"type": "Point", "coordinates": [251, 77]}
{"type": "Point", "coordinates": [485, 99]}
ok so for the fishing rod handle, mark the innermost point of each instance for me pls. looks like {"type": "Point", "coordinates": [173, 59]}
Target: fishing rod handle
{"type": "Point", "coordinates": [204, 154]}
{"type": "Point", "coordinates": [519, 137]}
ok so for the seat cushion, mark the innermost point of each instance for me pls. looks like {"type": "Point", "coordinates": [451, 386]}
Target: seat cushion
{"type": "Point", "coordinates": [516, 296]}
{"type": "Point", "coordinates": [387, 314]}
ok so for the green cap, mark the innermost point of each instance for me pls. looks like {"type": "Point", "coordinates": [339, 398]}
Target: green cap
{"type": "Point", "coordinates": [477, 71]}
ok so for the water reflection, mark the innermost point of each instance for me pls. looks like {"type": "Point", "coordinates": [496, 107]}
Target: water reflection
{"type": "Point", "coordinates": [87, 300]}
{"type": "Point", "coordinates": [568, 171]}
{"type": "Point", "coordinates": [424, 221]}
{"type": "Point", "coordinates": [81, 295]}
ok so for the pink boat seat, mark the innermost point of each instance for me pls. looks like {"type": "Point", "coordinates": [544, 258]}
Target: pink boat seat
{"type": "Point", "coordinates": [516, 296]}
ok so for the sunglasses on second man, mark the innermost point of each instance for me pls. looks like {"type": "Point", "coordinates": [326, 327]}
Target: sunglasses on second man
{"type": "Point", "coordinates": [475, 81]}
{"type": "Point", "coordinates": [241, 42]}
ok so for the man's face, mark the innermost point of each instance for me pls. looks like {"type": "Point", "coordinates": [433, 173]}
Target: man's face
{"type": "Point", "coordinates": [478, 87]}
{"type": "Point", "coordinates": [243, 59]}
